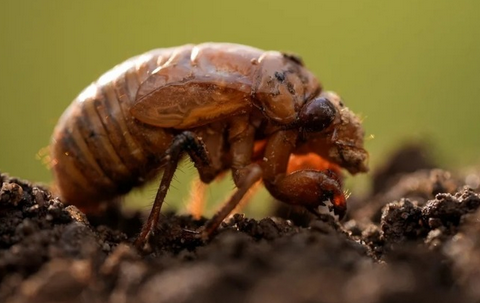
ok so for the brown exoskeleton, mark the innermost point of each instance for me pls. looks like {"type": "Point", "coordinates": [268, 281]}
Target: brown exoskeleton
{"type": "Point", "coordinates": [214, 101]}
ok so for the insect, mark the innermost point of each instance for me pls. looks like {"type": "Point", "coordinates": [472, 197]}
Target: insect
{"type": "Point", "coordinates": [227, 106]}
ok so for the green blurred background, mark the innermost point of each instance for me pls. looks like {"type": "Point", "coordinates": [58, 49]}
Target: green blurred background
{"type": "Point", "coordinates": [411, 68]}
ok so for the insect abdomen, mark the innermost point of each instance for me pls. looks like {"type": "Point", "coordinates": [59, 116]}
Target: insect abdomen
{"type": "Point", "coordinates": [99, 150]}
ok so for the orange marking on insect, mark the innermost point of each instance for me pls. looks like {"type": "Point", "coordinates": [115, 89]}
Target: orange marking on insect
{"type": "Point", "coordinates": [197, 200]}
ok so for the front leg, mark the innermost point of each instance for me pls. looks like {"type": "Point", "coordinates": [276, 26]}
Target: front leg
{"type": "Point", "coordinates": [309, 188]}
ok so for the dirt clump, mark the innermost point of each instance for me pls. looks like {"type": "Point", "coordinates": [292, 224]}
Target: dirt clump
{"type": "Point", "coordinates": [404, 243]}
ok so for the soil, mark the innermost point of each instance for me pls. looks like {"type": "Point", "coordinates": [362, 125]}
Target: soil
{"type": "Point", "coordinates": [415, 239]}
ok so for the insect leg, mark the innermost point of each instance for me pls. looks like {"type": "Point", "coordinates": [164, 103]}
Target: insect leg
{"type": "Point", "coordinates": [186, 141]}
{"type": "Point", "coordinates": [214, 141]}
{"type": "Point", "coordinates": [252, 174]}
{"type": "Point", "coordinates": [248, 197]}
{"type": "Point", "coordinates": [245, 174]}
{"type": "Point", "coordinates": [307, 187]}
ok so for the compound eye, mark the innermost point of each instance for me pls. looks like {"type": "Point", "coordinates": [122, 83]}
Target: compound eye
{"type": "Point", "coordinates": [317, 114]}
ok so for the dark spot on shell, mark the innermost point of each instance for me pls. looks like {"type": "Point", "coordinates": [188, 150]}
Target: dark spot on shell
{"type": "Point", "coordinates": [280, 76]}
{"type": "Point", "coordinates": [290, 88]}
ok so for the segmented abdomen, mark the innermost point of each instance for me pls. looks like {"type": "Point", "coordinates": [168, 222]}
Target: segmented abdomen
{"type": "Point", "coordinates": [98, 149]}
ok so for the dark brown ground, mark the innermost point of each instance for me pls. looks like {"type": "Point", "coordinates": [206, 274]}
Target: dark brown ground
{"type": "Point", "coordinates": [415, 239]}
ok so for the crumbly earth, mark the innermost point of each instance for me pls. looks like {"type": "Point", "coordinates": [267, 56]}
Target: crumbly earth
{"type": "Point", "coordinates": [415, 239]}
